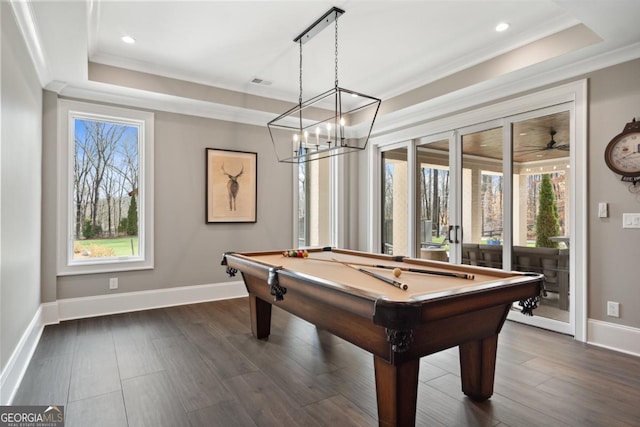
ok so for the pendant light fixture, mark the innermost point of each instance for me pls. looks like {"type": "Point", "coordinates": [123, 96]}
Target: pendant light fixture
{"type": "Point", "coordinates": [338, 121]}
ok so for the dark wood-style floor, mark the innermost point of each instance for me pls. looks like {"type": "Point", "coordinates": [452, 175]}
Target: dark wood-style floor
{"type": "Point", "coordinates": [198, 365]}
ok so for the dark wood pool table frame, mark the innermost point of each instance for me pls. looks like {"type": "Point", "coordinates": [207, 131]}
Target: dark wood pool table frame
{"type": "Point", "coordinates": [398, 334]}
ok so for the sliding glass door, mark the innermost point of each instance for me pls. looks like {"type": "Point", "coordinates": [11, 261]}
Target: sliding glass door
{"type": "Point", "coordinates": [482, 195]}
{"type": "Point", "coordinates": [460, 196]}
{"type": "Point", "coordinates": [433, 198]}
{"type": "Point", "coordinates": [542, 209]}
{"type": "Point", "coordinates": [492, 195]}
{"type": "Point", "coordinates": [502, 186]}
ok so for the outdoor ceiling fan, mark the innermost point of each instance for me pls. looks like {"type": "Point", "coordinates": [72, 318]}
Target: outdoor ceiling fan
{"type": "Point", "coordinates": [551, 145]}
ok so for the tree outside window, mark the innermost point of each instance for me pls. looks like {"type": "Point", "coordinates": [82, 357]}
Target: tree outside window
{"type": "Point", "coordinates": [547, 220]}
{"type": "Point", "coordinates": [106, 165]}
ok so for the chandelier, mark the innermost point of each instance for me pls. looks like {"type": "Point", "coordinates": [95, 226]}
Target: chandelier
{"type": "Point", "coordinates": [338, 121]}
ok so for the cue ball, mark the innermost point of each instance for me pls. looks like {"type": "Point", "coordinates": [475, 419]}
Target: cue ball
{"type": "Point", "coordinates": [397, 272]}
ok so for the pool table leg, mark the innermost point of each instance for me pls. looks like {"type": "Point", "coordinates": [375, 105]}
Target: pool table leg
{"type": "Point", "coordinates": [260, 317]}
{"type": "Point", "coordinates": [478, 367]}
{"type": "Point", "coordinates": [397, 391]}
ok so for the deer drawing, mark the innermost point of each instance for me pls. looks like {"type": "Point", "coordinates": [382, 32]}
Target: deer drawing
{"type": "Point", "coordinates": [232, 187]}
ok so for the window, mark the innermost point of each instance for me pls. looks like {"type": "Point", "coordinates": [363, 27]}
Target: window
{"type": "Point", "coordinates": [314, 203]}
{"type": "Point", "coordinates": [105, 189]}
{"type": "Point", "coordinates": [395, 224]}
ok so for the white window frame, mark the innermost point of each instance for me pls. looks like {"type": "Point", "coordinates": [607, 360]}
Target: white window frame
{"type": "Point", "coordinates": [67, 111]}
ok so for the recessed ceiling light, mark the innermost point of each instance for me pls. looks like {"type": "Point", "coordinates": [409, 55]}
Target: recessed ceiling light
{"type": "Point", "coordinates": [128, 39]}
{"type": "Point", "coordinates": [503, 26]}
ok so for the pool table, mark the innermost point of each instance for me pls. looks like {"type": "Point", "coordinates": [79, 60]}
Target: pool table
{"type": "Point", "coordinates": [444, 305]}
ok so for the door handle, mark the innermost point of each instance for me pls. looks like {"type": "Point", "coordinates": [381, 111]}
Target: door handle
{"type": "Point", "coordinates": [455, 238]}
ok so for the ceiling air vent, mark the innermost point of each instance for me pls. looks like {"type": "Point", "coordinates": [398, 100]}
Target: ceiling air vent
{"type": "Point", "coordinates": [260, 81]}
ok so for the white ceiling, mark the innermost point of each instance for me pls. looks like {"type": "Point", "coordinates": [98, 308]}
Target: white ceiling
{"type": "Point", "coordinates": [386, 48]}
{"type": "Point", "coordinates": [383, 47]}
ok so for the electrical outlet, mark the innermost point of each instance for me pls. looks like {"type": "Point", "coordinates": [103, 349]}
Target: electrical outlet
{"type": "Point", "coordinates": [613, 309]}
{"type": "Point", "coordinates": [113, 283]}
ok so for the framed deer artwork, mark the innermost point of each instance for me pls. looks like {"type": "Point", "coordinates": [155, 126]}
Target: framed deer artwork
{"type": "Point", "coordinates": [231, 186]}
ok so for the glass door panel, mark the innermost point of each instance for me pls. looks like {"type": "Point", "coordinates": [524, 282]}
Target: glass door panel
{"type": "Point", "coordinates": [433, 187]}
{"type": "Point", "coordinates": [395, 193]}
{"type": "Point", "coordinates": [482, 192]}
{"type": "Point", "coordinates": [541, 207]}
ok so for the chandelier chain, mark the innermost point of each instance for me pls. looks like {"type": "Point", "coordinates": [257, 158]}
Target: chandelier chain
{"type": "Point", "coordinates": [336, 41]}
{"type": "Point", "coordinates": [300, 98]}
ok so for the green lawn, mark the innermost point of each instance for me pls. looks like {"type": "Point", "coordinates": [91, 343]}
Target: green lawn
{"type": "Point", "coordinates": [120, 246]}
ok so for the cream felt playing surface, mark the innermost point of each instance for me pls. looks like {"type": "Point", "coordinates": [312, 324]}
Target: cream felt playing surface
{"type": "Point", "coordinates": [321, 265]}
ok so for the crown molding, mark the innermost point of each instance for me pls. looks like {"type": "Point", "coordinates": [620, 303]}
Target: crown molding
{"type": "Point", "coordinates": [117, 95]}
{"type": "Point", "coordinates": [26, 22]}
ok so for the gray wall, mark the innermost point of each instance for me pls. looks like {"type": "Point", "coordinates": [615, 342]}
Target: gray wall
{"type": "Point", "coordinates": [20, 192]}
{"type": "Point", "coordinates": [614, 252]}
{"type": "Point", "coordinates": [187, 251]}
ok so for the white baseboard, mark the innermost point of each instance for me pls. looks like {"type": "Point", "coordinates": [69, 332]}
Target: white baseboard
{"type": "Point", "coordinates": [75, 308]}
{"type": "Point", "coordinates": [13, 372]}
{"type": "Point", "coordinates": [100, 305]}
{"type": "Point", "coordinates": [615, 337]}
{"type": "Point", "coordinates": [50, 314]}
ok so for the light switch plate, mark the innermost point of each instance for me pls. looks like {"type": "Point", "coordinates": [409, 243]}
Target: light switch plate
{"type": "Point", "coordinates": [631, 220]}
{"type": "Point", "coordinates": [603, 210]}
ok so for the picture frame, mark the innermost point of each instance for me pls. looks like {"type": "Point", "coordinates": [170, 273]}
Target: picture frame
{"type": "Point", "coordinates": [231, 186]}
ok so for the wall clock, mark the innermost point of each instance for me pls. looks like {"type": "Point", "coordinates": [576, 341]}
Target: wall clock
{"type": "Point", "coordinates": [622, 154]}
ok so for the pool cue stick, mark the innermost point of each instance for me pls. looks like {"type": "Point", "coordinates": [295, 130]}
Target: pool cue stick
{"type": "Point", "coordinates": [466, 276]}
{"type": "Point", "coordinates": [392, 282]}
